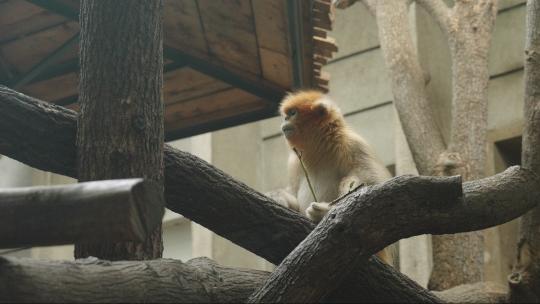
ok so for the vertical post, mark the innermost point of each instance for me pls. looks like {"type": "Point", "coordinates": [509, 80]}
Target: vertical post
{"type": "Point", "coordinates": [120, 128]}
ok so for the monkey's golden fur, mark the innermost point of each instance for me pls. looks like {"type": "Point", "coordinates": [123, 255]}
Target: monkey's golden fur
{"type": "Point", "coordinates": [336, 158]}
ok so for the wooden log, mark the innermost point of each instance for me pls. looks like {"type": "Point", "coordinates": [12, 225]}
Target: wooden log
{"type": "Point", "coordinates": [91, 280]}
{"type": "Point", "coordinates": [110, 210]}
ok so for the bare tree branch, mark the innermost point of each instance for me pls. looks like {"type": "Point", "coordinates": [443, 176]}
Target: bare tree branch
{"type": "Point", "coordinates": [439, 11]}
{"type": "Point", "coordinates": [525, 277]}
{"type": "Point", "coordinates": [354, 230]}
{"type": "Point", "coordinates": [458, 259]}
{"type": "Point", "coordinates": [112, 210]}
{"type": "Point", "coordinates": [408, 85]}
{"type": "Point", "coordinates": [481, 292]}
{"type": "Point", "coordinates": [372, 218]}
{"type": "Point", "coordinates": [157, 281]}
{"type": "Point", "coordinates": [470, 40]}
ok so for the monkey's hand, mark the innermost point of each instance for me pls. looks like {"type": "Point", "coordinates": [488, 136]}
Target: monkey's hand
{"type": "Point", "coordinates": [316, 211]}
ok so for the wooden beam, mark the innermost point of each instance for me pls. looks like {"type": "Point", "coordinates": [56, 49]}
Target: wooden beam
{"type": "Point", "coordinates": [112, 210]}
{"type": "Point", "coordinates": [294, 18]}
{"type": "Point", "coordinates": [44, 64]}
{"type": "Point", "coordinates": [57, 7]}
{"type": "Point", "coordinates": [223, 123]}
{"type": "Point", "coordinates": [258, 87]}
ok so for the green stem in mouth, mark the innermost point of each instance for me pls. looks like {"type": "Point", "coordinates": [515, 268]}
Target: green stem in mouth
{"type": "Point", "coordinates": [305, 173]}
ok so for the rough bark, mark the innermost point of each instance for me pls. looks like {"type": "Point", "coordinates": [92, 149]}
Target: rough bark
{"type": "Point", "coordinates": [458, 259]}
{"type": "Point", "coordinates": [469, 293]}
{"type": "Point", "coordinates": [157, 281]}
{"type": "Point", "coordinates": [408, 83]}
{"type": "Point", "coordinates": [246, 217]}
{"type": "Point", "coordinates": [370, 219]}
{"type": "Point", "coordinates": [113, 210]}
{"type": "Point", "coordinates": [468, 26]}
{"type": "Point", "coordinates": [525, 277]}
{"type": "Point", "coordinates": [352, 231]}
{"type": "Point", "coordinates": [120, 128]}
{"type": "Point", "coordinates": [38, 133]}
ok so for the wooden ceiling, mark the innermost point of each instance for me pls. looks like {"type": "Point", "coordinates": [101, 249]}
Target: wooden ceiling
{"type": "Point", "coordinates": [227, 62]}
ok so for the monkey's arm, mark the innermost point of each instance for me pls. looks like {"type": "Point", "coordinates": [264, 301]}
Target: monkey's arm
{"type": "Point", "coordinates": [287, 197]}
{"type": "Point", "coordinates": [317, 210]}
{"type": "Point", "coordinates": [284, 197]}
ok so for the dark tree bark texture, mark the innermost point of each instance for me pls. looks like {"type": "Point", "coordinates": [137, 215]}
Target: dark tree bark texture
{"type": "Point", "coordinates": [113, 210]}
{"type": "Point", "coordinates": [120, 128]}
{"type": "Point", "coordinates": [156, 281]}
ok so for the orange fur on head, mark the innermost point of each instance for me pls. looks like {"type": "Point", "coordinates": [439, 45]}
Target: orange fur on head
{"type": "Point", "coordinates": [315, 114]}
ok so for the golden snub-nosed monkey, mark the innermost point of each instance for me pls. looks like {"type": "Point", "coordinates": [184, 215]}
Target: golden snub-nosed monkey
{"type": "Point", "coordinates": [336, 159]}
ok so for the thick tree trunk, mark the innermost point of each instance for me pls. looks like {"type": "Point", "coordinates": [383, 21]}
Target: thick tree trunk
{"type": "Point", "coordinates": [120, 129]}
{"type": "Point", "coordinates": [250, 219]}
{"type": "Point", "coordinates": [408, 83]}
{"type": "Point", "coordinates": [459, 258]}
{"type": "Point", "coordinates": [156, 281]}
{"type": "Point", "coordinates": [525, 278]}
{"type": "Point", "coordinates": [468, 26]}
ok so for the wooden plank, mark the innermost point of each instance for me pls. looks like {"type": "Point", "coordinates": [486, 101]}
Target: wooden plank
{"type": "Point", "coordinates": [217, 118]}
{"type": "Point", "coordinates": [55, 88]}
{"type": "Point", "coordinates": [19, 18]}
{"type": "Point", "coordinates": [182, 28]}
{"type": "Point", "coordinates": [271, 25]}
{"type": "Point", "coordinates": [229, 30]}
{"type": "Point", "coordinates": [113, 210]}
{"type": "Point", "coordinates": [276, 67]}
{"type": "Point", "coordinates": [188, 112]}
{"type": "Point", "coordinates": [271, 28]}
{"type": "Point", "coordinates": [15, 10]}
{"type": "Point", "coordinates": [26, 52]}
{"type": "Point", "coordinates": [184, 84]}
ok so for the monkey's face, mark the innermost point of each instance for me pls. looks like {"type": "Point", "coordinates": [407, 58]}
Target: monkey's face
{"type": "Point", "coordinates": [303, 113]}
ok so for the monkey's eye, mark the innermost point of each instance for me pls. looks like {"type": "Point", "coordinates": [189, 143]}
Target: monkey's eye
{"type": "Point", "coordinates": [291, 112]}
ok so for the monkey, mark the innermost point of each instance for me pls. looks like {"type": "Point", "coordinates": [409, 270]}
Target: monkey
{"type": "Point", "coordinates": [337, 159]}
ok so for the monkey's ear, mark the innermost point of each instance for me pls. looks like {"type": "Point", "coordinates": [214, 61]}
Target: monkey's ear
{"type": "Point", "coordinates": [321, 109]}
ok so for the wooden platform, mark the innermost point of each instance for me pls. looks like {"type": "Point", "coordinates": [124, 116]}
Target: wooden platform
{"type": "Point", "coordinates": [227, 62]}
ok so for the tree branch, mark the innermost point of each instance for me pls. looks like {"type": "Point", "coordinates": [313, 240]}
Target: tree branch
{"type": "Point", "coordinates": [359, 226]}
{"type": "Point", "coordinates": [408, 84]}
{"type": "Point", "coordinates": [91, 280]}
{"type": "Point", "coordinates": [524, 280]}
{"type": "Point", "coordinates": [252, 220]}
{"type": "Point", "coordinates": [371, 219]}
{"type": "Point", "coordinates": [113, 210]}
